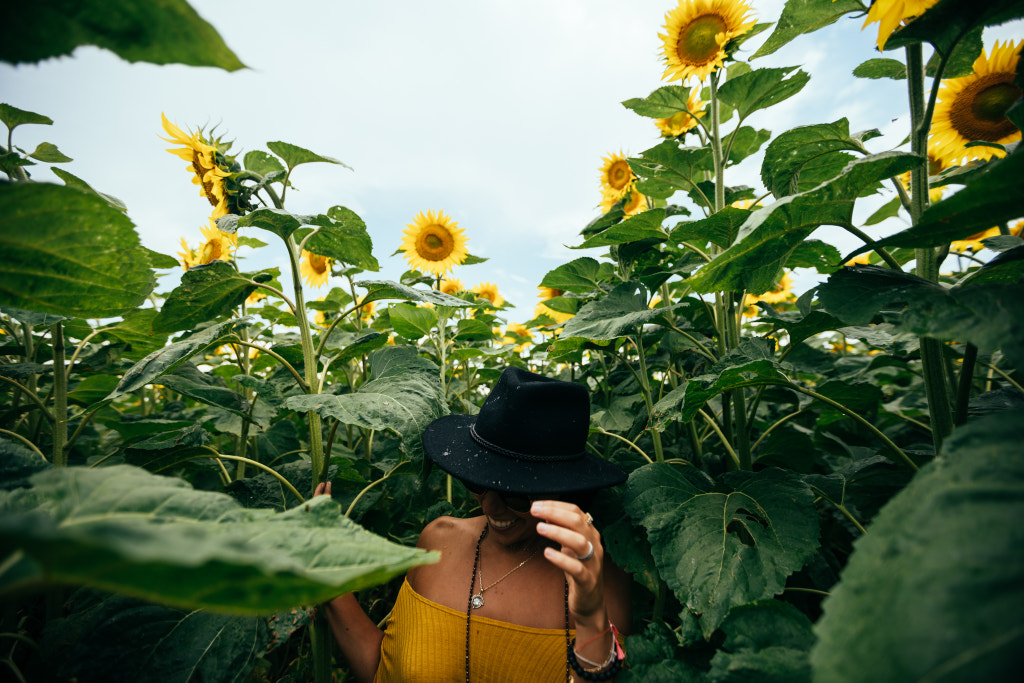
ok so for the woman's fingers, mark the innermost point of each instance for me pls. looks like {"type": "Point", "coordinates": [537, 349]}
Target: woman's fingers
{"type": "Point", "coordinates": [322, 489]}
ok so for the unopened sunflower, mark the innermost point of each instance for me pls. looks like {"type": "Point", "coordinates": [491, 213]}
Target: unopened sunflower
{"type": "Point", "coordinates": [315, 268]}
{"type": "Point", "coordinates": [697, 34]}
{"type": "Point", "coordinates": [202, 160]}
{"type": "Point", "coordinates": [219, 246]}
{"type": "Point", "coordinates": [973, 108]}
{"type": "Point", "coordinates": [434, 243]}
{"type": "Point", "coordinates": [889, 14]}
{"type": "Point", "coordinates": [683, 121]}
{"type": "Point", "coordinates": [486, 290]}
{"type": "Point", "coordinates": [616, 177]}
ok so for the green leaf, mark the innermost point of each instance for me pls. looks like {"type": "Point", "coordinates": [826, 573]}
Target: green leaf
{"type": "Point", "coordinates": [882, 68]}
{"type": "Point", "coordinates": [680, 167]}
{"type": "Point", "coordinates": [933, 590]}
{"type": "Point", "coordinates": [961, 63]}
{"type": "Point", "coordinates": [720, 228]}
{"type": "Point", "coordinates": [805, 16]}
{"type": "Point", "coordinates": [470, 329]}
{"type": "Point", "coordinates": [580, 275]}
{"type": "Point", "coordinates": [294, 155]}
{"type": "Point", "coordinates": [261, 163]}
{"type": "Point", "coordinates": [412, 322]}
{"type": "Point", "coordinates": [646, 225]}
{"type": "Point", "coordinates": [358, 346]}
{"type": "Point", "coordinates": [136, 330]}
{"type": "Point", "coordinates": [662, 103]}
{"type": "Point", "coordinates": [990, 316]}
{"type": "Point", "coordinates": [165, 32]}
{"type": "Point", "coordinates": [14, 117]}
{"type": "Point", "coordinates": [403, 395]}
{"type": "Point", "coordinates": [186, 379]}
{"type": "Point", "coordinates": [125, 530]}
{"type": "Point", "coordinates": [788, 154]}
{"type": "Point", "coordinates": [890, 209]}
{"type": "Point", "coordinates": [161, 261]}
{"type": "Point", "coordinates": [725, 543]}
{"type": "Point", "coordinates": [280, 222]}
{"type": "Point", "coordinates": [167, 358]}
{"type": "Point", "coordinates": [768, 642]}
{"type": "Point", "coordinates": [990, 198]}
{"type": "Point", "coordinates": [68, 252]}
{"type": "Point", "coordinates": [168, 645]}
{"type": "Point", "coordinates": [32, 318]}
{"type": "Point", "coordinates": [345, 240]}
{"type": "Point", "coordinates": [74, 181]}
{"type": "Point", "coordinates": [614, 315]}
{"type": "Point", "coordinates": [205, 293]}
{"type": "Point", "coordinates": [821, 256]}
{"type": "Point", "coordinates": [378, 290]}
{"type": "Point", "coordinates": [761, 88]}
{"type": "Point", "coordinates": [90, 390]}
{"type": "Point", "coordinates": [1006, 267]}
{"type": "Point", "coordinates": [946, 23]}
{"type": "Point", "coordinates": [48, 152]}
{"type": "Point", "coordinates": [747, 141]}
{"type": "Point", "coordinates": [251, 242]}
{"type": "Point", "coordinates": [770, 235]}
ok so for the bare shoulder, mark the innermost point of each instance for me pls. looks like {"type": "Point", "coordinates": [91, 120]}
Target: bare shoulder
{"type": "Point", "coordinates": [444, 532]}
{"type": "Point", "coordinates": [455, 539]}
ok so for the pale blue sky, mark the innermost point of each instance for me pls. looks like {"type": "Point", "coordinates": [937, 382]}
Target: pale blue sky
{"type": "Point", "coordinates": [496, 112]}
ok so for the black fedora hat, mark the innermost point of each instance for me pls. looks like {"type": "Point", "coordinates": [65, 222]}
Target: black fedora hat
{"type": "Point", "coordinates": [529, 438]}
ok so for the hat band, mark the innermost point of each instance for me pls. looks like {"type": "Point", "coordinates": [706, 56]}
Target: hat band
{"type": "Point", "coordinates": [516, 454]}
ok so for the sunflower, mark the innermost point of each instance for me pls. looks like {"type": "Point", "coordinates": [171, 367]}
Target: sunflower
{"type": "Point", "coordinates": [486, 290]}
{"type": "Point", "coordinates": [860, 260]}
{"type": "Point", "coordinates": [782, 291]}
{"type": "Point", "coordinates": [434, 243]}
{"type": "Point", "coordinates": [558, 316]}
{"type": "Point", "coordinates": [315, 268]}
{"type": "Point", "coordinates": [696, 35]}
{"type": "Point", "coordinates": [889, 14]}
{"type": "Point", "coordinates": [748, 204]}
{"type": "Point", "coordinates": [635, 202]}
{"type": "Point", "coordinates": [219, 246]}
{"type": "Point", "coordinates": [452, 286]}
{"type": "Point", "coordinates": [616, 177]}
{"type": "Point", "coordinates": [254, 298]}
{"type": "Point", "coordinates": [520, 330]}
{"type": "Point", "coordinates": [202, 160]}
{"type": "Point", "coordinates": [545, 293]}
{"type": "Point", "coordinates": [935, 167]}
{"type": "Point", "coordinates": [973, 108]}
{"type": "Point", "coordinates": [974, 242]}
{"type": "Point", "coordinates": [366, 310]}
{"type": "Point", "coordinates": [683, 121]}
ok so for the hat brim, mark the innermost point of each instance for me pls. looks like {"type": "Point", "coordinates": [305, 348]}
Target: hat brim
{"type": "Point", "coordinates": [447, 441]}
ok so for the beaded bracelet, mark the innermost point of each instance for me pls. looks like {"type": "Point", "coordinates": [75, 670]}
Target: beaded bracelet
{"type": "Point", "coordinates": [602, 674]}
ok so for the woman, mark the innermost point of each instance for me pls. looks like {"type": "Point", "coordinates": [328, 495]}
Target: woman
{"type": "Point", "coordinates": [523, 592]}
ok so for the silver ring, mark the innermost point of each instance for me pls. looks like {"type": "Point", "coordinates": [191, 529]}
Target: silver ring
{"type": "Point", "coordinates": [590, 553]}
{"type": "Point", "coordinates": [590, 519]}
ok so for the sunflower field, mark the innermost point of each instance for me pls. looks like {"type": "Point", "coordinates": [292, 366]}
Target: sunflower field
{"type": "Point", "coordinates": [824, 486]}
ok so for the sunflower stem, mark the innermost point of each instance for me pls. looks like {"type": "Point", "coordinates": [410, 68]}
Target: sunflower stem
{"type": "Point", "coordinates": [927, 261]}
{"type": "Point", "coordinates": [60, 397]}
{"type": "Point", "coordinates": [645, 389]}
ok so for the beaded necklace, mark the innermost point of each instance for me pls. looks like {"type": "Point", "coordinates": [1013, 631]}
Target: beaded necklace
{"type": "Point", "coordinates": [469, 607]}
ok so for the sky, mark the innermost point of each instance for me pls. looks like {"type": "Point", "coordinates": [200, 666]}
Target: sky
{"type": "Point", "coordinates": [498, 113]}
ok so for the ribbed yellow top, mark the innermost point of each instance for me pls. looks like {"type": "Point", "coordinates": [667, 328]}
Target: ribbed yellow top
{"type": "Point", "coordinates": [425, 642]}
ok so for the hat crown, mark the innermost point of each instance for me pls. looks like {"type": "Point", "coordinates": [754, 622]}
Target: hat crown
{"type": "Point", "coordinates": [535, 417]}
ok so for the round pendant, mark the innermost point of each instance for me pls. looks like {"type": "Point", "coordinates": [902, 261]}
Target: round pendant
{"type": "Point", "coordinates": [477, 602]}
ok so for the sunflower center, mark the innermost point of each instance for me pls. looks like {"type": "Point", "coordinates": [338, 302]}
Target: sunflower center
{"type": "Point", "coordinates": [435, 243]}
{"type": "Point", "coordinates": [619, 175]}
{"type": "Point", "coordinates": [979, 112]}
{"type": "Point", "coordinates": [697, 42]}
{"type": "Point", "coordinates": [318, 263]}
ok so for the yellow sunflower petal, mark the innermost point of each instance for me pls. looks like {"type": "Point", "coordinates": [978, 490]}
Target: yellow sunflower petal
{"type": "Point", "coordinates": [451, 286]}
{"type": "Point", "coordinates": [486, 290]}
{"type": "Point", "coordinates": [696, 33]}
{"type": "Point", "coordinates": [314, 269]}
{"type": "Point", "coordinates": [889, 14]}
{"type": "Point", "coordinates": [434, 243]}
{"type": "Point", "coordinates": [616, 176]}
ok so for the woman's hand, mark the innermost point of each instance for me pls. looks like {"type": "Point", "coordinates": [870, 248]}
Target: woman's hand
{"type": "Point", "coordinates": [581, 557]}
{"type": "Point", "coordinates": [322, 489]}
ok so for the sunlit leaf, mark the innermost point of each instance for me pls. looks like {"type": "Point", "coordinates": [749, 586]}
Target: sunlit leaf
{"type": "Point", "coordinates": [68, 252]}
{"type": "Point", "coordinates": [412, 322]}
{"type": "Point", "coordinates": [805, 16]}
{"type": "Point", "coordinates": [345, 240]}
{"type": "Point", "coordinates": [378, 290]}
{"type": "Point", "coordinates": [681, 167]}
{"type": "Point", "coordinates": [125, 530]}
{"type": "Point", "coordinates": [13, 117]}
{"type": "Point", "coordinates": [642, 226]}
{"type": "Point", "coordinates": [882, 68]}
{"type": "Point", "coordinates": [580, 275]}
{"type": "Point", "coordinates": [165, 32]}
{"type": "Point", "coordinates": [747, 141]}
{"type": "Point", "coordinates": [206, 292]}
{"type": "Point", "coordinates": [791, 151]}
{"type": "Point", "coordinates": [720, 228]}
{"type": "Point", "coordinates": [262, 163]}
{"type": "Point", "coordinates": [617, 314]}
{"type": "Point", "coordinates": [48, 152]}
{"type": "Point", "coordinates": [761, 88]}
{"type": "Point", "coordinates": [940, 569]}
{"type": "Point", "coordinates": [71, 180]}
{"type": "Point", "coordinates": [721, 544]}
{"type": "Point", "coordinates": [187, 380]}
{"type": "Point", "coordinates": [294, 155]}
{"type": "Point", "coordinates": [662, 103]}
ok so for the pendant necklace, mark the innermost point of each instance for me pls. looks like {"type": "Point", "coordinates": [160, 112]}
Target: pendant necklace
{"type": "Point", "coordinates": [477, 600]}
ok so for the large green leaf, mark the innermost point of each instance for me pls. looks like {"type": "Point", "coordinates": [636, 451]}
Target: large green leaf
{"type": "Point", "coordinates": [770, 235]}
{"type": "Point", "coordinates": [614, 315]}
{"type": "Point", "coordinates": [761, 88]}
{"type": "Point", "coordinates": [951, 20]}
{"type": "Point", "coordinates": [933, 591]}
{"type": "Point", "coordinates": [412, 322]}
{"type": "Point", "coordinates": [990, 316]}
{"type": "Point", "coordinates": [169, 357]}
{"type": "Point", "coordinates": [720, 227]}
{"type": "Point", "coordinates": [580, 275]}
{"type": "Point", "coordinates": [403, 395]}
{"type": "Point", "coordinates": [990, 197]}
{"type": "Point", "coordinates": [805, 16]}
{"type": "Point", "coordinates": [791, 151]}
{"type": "Point", "coordinates": [206, 388]}
{"type": "Point", "coordinates": [766, 642]}
{"type": "Point", "coordinates": [206, 292]}
{"type": "Point", "coordinates": [646, 225]}
{"type": "Point", "coordinates": [721, 544]}
{"type": "Point", "coordinates": [136, 330]}
{"type": "Point", "coordinates": [168, 645]}
{"type": "Point", "coordinates": [68, 252]}
{"type": "Point", "coordinates": [662, 103]}
{"type": "Point", "coordinates": [294, 155]}
{"type": "Point", "coordinates": [157, 31]}
{"type": "Point", "coordinates": [882, 68]}
{"type": "Point", "coordinates": [280, 222]}
{"type": "Point", "coordinates": [125, 530]}
{"type": "Point", "coordinates": [377, 290]}
{"type": "Point", "coordinates": [346, 240]}
{"type": "Point", "coordinates": [680, 167]}
{"type": "Point", "coordinates": [12, 117]}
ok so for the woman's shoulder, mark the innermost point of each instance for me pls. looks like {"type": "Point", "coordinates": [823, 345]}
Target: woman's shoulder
{"type": "Point", "coordinates": [446, 532]}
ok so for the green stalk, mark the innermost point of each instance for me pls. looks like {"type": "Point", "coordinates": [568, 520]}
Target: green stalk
{"type": "Point", "coordinates": [741, 437]}
{"type": "Point", "coordinates": [927, 263]}
{"type": "Point", "coordinates": [963, 396]}
{"type": "Point", "coordinates": [60, 397]}
{"type": "Point", "coordinates": [645, 389]}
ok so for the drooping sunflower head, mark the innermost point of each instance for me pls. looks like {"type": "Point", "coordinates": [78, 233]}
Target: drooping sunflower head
{"type": "Point", "coordinates": [635, 202]}
{"type": "Point", "coordinates": [889, 14]}
{"type": "Point", "coordinates": [489, 291]}
{"type": "Point", "coordinates": [451, 286]}
{"type": "Point", "coordinates": [697, 34]}
{"type": "Point", "coordinates": [546, 293]}
{"type": "Point", "coordinates": [616, 176]}
{"type": "Point", "coordinates": [973, 108]}
{"type": "Point", "coordinates": [683, 121]}
{"type": "Point", "coordinates": [204, 162]}
{"type": "Point", "coordinates": [315, 269]}
{"type": "Point", "coordinates": [974, 242]}
{"type": "Point", "coordinates": [434, 243]}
